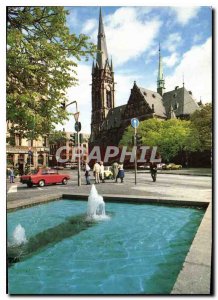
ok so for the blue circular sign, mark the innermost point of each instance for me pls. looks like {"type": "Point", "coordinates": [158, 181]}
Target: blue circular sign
{"type": "Point", "coordinates": [134, 122]}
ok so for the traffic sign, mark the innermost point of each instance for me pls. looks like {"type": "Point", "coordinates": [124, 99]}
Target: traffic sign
{"type": "Point", "coordinates": [77, 126]}
{"type": "Point", "coordinates": [134, 122]}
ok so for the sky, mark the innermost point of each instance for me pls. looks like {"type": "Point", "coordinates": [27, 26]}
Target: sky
{"type": "Point", "coordinates": [133, 34]}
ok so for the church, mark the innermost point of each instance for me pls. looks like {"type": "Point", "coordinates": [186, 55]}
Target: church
{"type": "Point", "coordinates": [108, 122]}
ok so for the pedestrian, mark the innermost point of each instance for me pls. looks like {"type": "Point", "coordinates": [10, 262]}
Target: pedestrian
{"type": "Point", "coordinates": [11, 174]}
{"type": "Point", "coordinates": [115, 170]}
{"type": "Point", "coordinates": [153, 170]}
{"type": "Point", "coordinates": [120, 172]}
{"type": "Point", "coordinates": [87, 173]}
{"type": "Point", "coordinates": [102, 171]}
{"type": "Point", "coordinates": [96, 172]}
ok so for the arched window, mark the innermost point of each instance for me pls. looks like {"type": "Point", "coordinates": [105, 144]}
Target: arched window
{"type": "Point", "coordinates": [40, 159]}
{"type": "Point", "coordinates": [108, 95]}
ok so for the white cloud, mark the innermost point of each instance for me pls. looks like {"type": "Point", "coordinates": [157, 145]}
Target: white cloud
{"type": "Point", "coordinates": [185, 14]}
{"type": "Point", "coordinates": [171, 60]}
{"type": "Point", "coordinates": [173, 42]}
{"type": "Point", "coordinates": [82, 94]}
{"type": "Point", "coordinates": [128, 35]}
{"type": "Point", "coordinates": [136, 35]}
{"type": "Point", "coordinates": [196, 65]}
{"type": "Point", "coordinates": [123, 86]}
{"type": "Point", "coordinates": [89, 26]}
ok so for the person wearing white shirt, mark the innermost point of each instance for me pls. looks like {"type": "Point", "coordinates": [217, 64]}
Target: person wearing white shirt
{"type": "Point", "coordinates": [102, 171]}
{"type": "Point", "coordinates": [96, 171]}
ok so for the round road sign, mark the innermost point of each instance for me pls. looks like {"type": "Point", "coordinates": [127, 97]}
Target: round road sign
{"type": "Point", "coordinates": [134, 122]}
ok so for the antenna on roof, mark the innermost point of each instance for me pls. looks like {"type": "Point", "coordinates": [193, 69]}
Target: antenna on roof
{"type": "Point", "coordinates": [183, 81]}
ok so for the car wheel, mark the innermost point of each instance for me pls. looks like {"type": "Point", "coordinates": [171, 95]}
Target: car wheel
{"type": "Point", "coordinates": [64, 181]}
{"type": "Point", "coordinates": [29, 185]}
{"type": "Point", "coordinates": [41, 183]}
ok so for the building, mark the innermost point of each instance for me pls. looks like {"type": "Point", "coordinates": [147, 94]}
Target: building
{"type": "Point", "coordinates": [109, 122]}
{"type": "Point", "coordinates": [22, 153]}
{"type": "Point", "coordinates": [67, 149]}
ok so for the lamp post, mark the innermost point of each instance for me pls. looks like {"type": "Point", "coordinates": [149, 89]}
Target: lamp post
{"type": "Point", "coordinates": [77, 128]}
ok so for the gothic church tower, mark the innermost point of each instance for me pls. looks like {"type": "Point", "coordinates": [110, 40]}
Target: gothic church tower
{"type": "Point", "coordinates": [102, 84]}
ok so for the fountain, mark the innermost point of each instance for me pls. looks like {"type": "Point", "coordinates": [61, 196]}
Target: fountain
{"type": "Point", "coordinates": [21, 248]}
{"type": "Point", "coordinates": [96, 206]}
{"type": "Point", "coordinates": [19, 236]}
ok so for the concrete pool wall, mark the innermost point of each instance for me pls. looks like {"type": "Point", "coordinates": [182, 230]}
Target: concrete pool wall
{"type": "Point", "coordinates": [195, 275]}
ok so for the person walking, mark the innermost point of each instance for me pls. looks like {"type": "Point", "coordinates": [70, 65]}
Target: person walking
{"type": "Point", "coordinates": [87, 174]}
{"type": "Point", "coordinates": [115, 170]}
{"type": "Point", "coordinates": [11, 174]}
{"type": "Point", "coordinates": [102, 171]}
{"type": "Point", "coordinates": [96, 172]}
{"type": "Point", "coordinates": [121, 172]}
{"type": "Point", "coordinates": [153, 170]}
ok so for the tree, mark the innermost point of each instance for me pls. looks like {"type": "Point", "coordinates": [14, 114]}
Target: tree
{"type": "Point", "coordinates": [42, 57]}
{"type": "Point", "coordinates": [57, 137]}
{"type": "Point", "coordinates": [201, 121]}
{"type": "Point", "coordinates": [171, 136]}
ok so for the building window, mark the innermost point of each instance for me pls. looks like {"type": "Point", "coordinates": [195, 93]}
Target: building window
{"type": "Point", "coordinates": [44, 141]}
{"type": "Point", "coordinates": [108, 95]}
{"type": "Point", "coordinates": [40, 159]}
{"type": "Point", "coordinates": [18, 140]}
{"type": "Point", "coordinates": [10, 159]}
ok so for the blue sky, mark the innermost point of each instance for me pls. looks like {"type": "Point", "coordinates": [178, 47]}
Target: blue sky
{"type": "Point", "coordinates": [133, 34]}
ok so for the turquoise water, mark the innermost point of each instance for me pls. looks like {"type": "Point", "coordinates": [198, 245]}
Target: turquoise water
{"type": "Point", "coordinates": [140, 250]}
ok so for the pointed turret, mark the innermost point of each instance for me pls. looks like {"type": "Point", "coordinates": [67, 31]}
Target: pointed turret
{"type": "Point", "coordinates": [160, 76]}
{"type": "Point", "coordinates": [112, 68]}
{"type": "Point", "coordinates": [102, 56]}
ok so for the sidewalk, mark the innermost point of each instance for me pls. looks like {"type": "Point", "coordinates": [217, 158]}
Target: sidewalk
{"type": "Point", "coordinates": [185, 171]}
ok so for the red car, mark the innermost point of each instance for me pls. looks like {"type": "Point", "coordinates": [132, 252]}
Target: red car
{"type": "Point", "coordinates": [44, 176]}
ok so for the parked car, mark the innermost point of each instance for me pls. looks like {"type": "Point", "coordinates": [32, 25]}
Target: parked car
{"type": "Point", "coordinates": [161, 166]}
{"type": "Point", "coordinates": [145, 166]}
{"type": "Point", "coordinates": [58, 167]}
{"type": "Point", "coordinates": [172, 166]}
{"type": "Point", "coordinates": [43, 177]}
{"type": "Point", "coordinates": [108, 174]}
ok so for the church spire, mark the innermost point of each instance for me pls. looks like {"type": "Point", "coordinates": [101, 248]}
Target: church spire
{"type": "Point", "coordinates": [160, 76]}
{"type": "Point", "coordinates": [102, 55]}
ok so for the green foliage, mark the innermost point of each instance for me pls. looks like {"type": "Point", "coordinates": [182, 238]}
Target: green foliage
{"type": "Point", "coordinates": [201, 121]}
{"type": "Point", "coordinates": [42, 57]}
{"type": "Point", "coordinates": [57, 137]}
{"type": "Point", "coordinates": [171, 136]}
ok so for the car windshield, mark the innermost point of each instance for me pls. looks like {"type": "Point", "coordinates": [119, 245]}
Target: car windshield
{"type": "Point", "coordinates": [34, 171]}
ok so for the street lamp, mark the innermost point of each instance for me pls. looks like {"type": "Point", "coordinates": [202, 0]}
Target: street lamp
{"type": "Point", "coordinates": [77, 128]}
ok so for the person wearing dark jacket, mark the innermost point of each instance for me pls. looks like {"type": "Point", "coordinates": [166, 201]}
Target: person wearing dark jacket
{"type": "Point", "coordinates": [120, 172]}
{"type": "Point", "coordinates": [153, 170]}
{"type": "Point", "coordinates": [87, 174]}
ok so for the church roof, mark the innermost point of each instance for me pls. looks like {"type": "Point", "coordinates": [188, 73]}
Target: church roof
{"type": "Point", "coordinates": [181, 101]}
{"type": "Point", "coordinates": [113, 118]}
{"type": "Point", "coordinates": [154, 100]}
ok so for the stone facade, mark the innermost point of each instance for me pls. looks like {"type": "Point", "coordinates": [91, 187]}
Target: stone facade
{"type": "Point", "coordinates": [17, 151]}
